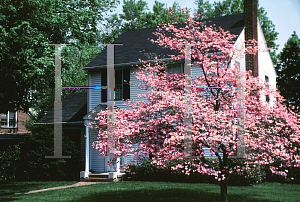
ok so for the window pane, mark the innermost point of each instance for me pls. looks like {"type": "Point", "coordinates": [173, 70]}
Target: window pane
{"type": "Point", "coordinates": [104, 83]}
{"type": "Point", "coordinates": [4, 120]}
{"type": "Point", "coordinates": [12, 123]}
{"type": "Point", "coordinates": [267, 78]}
{"type": "Point", "coordinates": [12, 119]}
{"type": "Point", "coordinates": [174, 69]}
{"type": "Point", "coordinates": [126, 87]}
{"type": "Point", "coordinates": [118, 77]}
{"type": "Point", "coordinates": [3, 116]}
{"type": "Point", "coordinates": [238, 64]}
{"type": "Point", "coordinates": [118, 93]}
{"type": "Point", "coordinates": [12, 115]}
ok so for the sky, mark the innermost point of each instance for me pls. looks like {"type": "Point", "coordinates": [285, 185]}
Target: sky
{"type": "Point", "coordinates": [285, 15]}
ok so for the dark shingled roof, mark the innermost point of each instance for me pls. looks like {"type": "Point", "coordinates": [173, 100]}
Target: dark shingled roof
{"type": "Point", "coordinates": [74, 107]}
{"type": "Point", "coordinates": [137, 42]}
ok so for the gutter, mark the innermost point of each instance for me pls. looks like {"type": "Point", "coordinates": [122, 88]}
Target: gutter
{"type": "Point", "coordinates": [129, 64]}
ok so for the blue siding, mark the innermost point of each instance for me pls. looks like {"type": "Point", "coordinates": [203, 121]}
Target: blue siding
{"type": "Point", "coordinates": [95, 94]}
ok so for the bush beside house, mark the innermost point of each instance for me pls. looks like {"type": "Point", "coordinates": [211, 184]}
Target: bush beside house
{"type": "Point", "coordinates": [26, 160]}
{"type": "Point", "coordinates": [147, 171]}
{"type": "Point", "coordinates": [152, 172]}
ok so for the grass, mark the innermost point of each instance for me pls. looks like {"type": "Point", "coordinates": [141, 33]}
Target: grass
{"type": "Point", "coordinates": [165, 191]}
{"type": "Point", "coordinates": [11, 187]}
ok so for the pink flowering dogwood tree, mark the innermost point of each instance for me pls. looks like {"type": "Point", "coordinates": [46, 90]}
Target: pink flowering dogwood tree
{"type": "Point", "coordinates": [271, 131]}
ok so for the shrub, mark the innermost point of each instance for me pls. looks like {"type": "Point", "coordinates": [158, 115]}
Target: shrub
{"type": "Point", "coordinates": [293, 174]}
{"type": "Point", "coordinates": [253, 175]}
{"type": "Point", "coordinates": [152, 172]}
{"type": "Point", "coordinates": [26, 160]}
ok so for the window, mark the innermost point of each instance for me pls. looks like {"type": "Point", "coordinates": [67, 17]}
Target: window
{"type": "Point", "coordinates": [122, 88]}
{"type": "Point", "coordinates": [104, 83]}
{"type": "Point", "coordinates": [172, 68]}
{"type": "Point", "coordinates": [175, 68]}
{"type": "Point", "coordinates": [238, 64]}
{"type": "Point", "coordinates": [9, 119]}
{"type": "Point", "coordinates": [266, 78]}
{"type": "Point", "coordinates": [267, 81]}
{"type": "Point", "coordinates": [118, 85]}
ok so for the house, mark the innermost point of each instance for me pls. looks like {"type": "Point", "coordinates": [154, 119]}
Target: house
{"type": "Point", "coordinates": [136, 46]}
{"type": "Point", "coordinates": [12, 129]}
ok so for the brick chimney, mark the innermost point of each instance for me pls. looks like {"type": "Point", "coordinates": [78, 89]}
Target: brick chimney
{"type": "Point", "coordinates": [250, 21]}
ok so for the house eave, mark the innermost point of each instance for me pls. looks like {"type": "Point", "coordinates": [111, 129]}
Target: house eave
{"type": "Point", "coordinates": [76, 122]}
{"type": "Point", "coordinates": [95, 68]}
{"type": "Point", "coordinates": [13, 136]}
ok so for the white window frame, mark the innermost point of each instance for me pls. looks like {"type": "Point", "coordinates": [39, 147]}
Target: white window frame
{"type": "Point", "coordinates": [7, 120]}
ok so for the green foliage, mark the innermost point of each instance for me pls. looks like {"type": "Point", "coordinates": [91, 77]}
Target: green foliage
{"type": "Point", "coordinates": [136, 16]}
{"type": "Point", "coordinates": [132, 14]}
{"type": "Point", "coordinates": [74, 58]}
{"type": "Point", "coordinates": [152, 172]}
{"type": "Point", "coordinates": [26, 160]}
{"type": "Point", "coordinates": [229, 7]}
{"type": "Point", "coordinates": [162, 15]}
{"type": "Point", "coordinates": [293, 173]}
{"type": "Point", "coordinates": [288, 72]}
{"type": "Point", "coordinates": [27, 27]}
{"type": "Point", "coordinates": [254, 175]}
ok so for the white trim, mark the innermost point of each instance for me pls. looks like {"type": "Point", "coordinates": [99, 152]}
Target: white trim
{"type": "Point", "coordinates": [89, 94]}
{"type": "Point", "coordinates": [87, 149]}
{"type": "Point", "coordinates": [16, 119]}
{"type": "Point", "coordinates": [259, 29]}
{"type": "Point", "coordinates": [111, 168]}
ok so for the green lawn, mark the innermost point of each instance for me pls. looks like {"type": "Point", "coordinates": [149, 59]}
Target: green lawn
{"type": "Point", "coordinates": [164, 191]}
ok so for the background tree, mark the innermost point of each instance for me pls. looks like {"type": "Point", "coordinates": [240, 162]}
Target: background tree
{"type": "Point", "coordinates": [288, 72]}
{"type": "Point", "coordinates": [74, 58]}
{"type": "Point", "coordinates": [133, 14]}
{"type": "Point", "coordinates": [229, 7]}
{"type": "Point", "coordinates": [157, 125]}
{"type": "Point", "coordinates": [136, 15]}
{"type": "Point", "coordinates": [27, 27]}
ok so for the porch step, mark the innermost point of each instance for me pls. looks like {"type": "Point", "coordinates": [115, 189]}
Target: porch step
{"type": "Point", "coordinates": [89, 179]}
{"type": "Point", "coordinates": [101, 177]}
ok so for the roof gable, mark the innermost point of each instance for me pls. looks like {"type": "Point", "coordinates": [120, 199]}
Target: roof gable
{"type": "Point", "coordinates": [74, 107]}
{"type": "Point", "coordinates": [137, 45]}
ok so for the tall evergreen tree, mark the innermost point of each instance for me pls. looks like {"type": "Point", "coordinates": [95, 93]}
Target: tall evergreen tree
{"type": "Point", "coordinates": [288, 72]}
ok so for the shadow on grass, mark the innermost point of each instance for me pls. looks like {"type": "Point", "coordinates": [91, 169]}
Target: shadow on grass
{"type": "Point", "coordinates": [12, 187]}
{"type": "Point", "coordinates": [138, 194]}
{"type": "Point", "coordinates": [7, 188]}
{"type": "Point", "coordinates": [151, 192]}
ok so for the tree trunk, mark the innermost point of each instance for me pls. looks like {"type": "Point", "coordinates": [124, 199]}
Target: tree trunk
{"type": "Point", "coordinates": [224, 172]}
{"type": "Point", "coordinates": [223, 186]}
